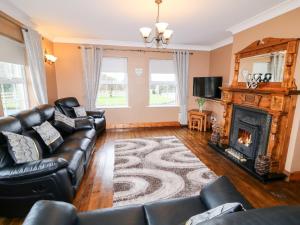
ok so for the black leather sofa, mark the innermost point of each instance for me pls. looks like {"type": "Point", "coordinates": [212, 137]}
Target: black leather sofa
{"type": "Point", "coordinates": [65, 106]}
{"type": "Point", "coordinates": [166, 212]}
{"type": "Point", "coordinates": [55, 177]}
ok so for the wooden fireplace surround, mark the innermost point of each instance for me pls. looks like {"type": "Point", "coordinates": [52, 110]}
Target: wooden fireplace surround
{"type": "Point", "coordinates": [276, 98]}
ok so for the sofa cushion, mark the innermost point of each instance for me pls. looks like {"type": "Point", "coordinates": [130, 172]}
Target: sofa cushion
{"type": "Point", "coordinates": [222, 191]}
{"type": "Point", "coordinates": [80, 111]}
{"type": "Point", "coordinates": [83, 144]}
{"type": "Point", "coordinates": [75, 158]}
{"type": "Point", "coordinates": [46, 111]}
{"type": "Point", "coordinates": [75, 144]}
{"type": "Point", "coordinates": [174, 211]}
{"type": "Point", "coordinates": [50, 136]}
{"type": "Point", "coordinates": [283, 215]}
{"type": "Point", "coordinates": [21, 148]}
{"type": "Point", "coordinates": [130, 215]}
{"type": "Point", "coordinates": [29, 118]}
{"type": "Point", "coordinates": [10, 124]}
{"type": "Point", "coordinates": [88, 133]}
{"type": "Point", "coordinates": [221, 210]}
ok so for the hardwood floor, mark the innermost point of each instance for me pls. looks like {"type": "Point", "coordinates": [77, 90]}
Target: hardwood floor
{"type": "Point", "coordinates": [96, 188]}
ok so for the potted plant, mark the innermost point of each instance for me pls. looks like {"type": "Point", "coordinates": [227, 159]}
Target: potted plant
{"type": "Point", "coordinates": [200, 101]}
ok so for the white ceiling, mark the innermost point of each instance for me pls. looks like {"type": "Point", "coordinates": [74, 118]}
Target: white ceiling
{"type": "Point", "coordinates": [195, 22]}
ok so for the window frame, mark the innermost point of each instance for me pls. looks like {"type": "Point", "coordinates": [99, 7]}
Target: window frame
{"type": "Point", "coordinates": [22, 81]}
{"type": "Point", "coordinates": [149, 87]}
{"type": "Point", "coordinates": [126, 89]}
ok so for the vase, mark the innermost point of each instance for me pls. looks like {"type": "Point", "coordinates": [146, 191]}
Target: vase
{"type": "Point", "coordinates": [262, 164]}
{"type": "Point", "coordinates": [201, 108]}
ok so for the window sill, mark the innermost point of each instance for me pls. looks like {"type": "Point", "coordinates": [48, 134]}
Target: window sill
{"type": "Point", "coordinates": [163, 106]}
{"type": "Point", "coordinates": [114, 107]}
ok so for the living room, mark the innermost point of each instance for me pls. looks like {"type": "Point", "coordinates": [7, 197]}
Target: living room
{"type": "Point", "coordinates": [109, 115]}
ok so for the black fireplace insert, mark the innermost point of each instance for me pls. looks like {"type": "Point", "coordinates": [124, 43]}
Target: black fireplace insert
{"type": "Point", "coordinates": [249, 131]}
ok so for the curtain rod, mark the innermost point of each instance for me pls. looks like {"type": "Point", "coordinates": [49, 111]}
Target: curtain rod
{"type": "Point", "coordinates": [132, 50]}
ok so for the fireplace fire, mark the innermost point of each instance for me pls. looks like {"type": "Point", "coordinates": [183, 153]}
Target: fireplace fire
{"type": "Point", "coordinates": [244, 137]}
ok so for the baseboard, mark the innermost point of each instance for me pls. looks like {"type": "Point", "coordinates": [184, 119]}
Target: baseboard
{"type": "Point", "coordinates": [295, 176]}
{"type": "Point", "coordinates": [141, 125]}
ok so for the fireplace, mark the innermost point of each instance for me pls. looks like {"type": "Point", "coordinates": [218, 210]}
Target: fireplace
{"type": "Point", "coordinates": [249, 131]}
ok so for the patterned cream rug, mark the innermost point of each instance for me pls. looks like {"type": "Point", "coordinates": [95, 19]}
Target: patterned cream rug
{"type": "Point", "coordinates": [149, 169]}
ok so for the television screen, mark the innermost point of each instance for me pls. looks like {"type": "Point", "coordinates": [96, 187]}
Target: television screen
{"type": "Point", "coordinates": [207, 87]}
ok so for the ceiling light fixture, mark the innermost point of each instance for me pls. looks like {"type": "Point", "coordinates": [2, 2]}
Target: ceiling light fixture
{"type": "Point", "coordinates": [162, 34]}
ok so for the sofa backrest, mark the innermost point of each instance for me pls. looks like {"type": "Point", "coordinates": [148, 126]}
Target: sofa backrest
{"type": "Point", "coordinates": [22, 123]}
{"type": "Point", "coordinates": [222, 191]}
{"type": "Point", "coordinates": [65, 105]}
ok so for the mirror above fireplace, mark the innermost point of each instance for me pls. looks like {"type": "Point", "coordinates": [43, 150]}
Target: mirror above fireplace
{"type": "Point", "coordinates": [270, 62]}
{"type": "Point", "coordinates": [269, 67]}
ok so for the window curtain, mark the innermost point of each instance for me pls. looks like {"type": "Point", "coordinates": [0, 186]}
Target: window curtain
{"type": "Point", "coordinates": [92, 62]}
{"type": "Point", "coordinates": [181, 61]}
{"type": "Point", "coordinates": [35, 59]}
{"type": "Point", "coordinates": [277, 62]}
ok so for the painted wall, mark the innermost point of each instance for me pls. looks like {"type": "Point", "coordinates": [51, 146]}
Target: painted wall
{"type": "Point", "coordinates": [284, 26]}
{"type": "Point", "coordinates": [50, 72]}
{"type": "Point", "coordinates": [69, 74]}
{"type": "Point", "coordinates": [220, 60]}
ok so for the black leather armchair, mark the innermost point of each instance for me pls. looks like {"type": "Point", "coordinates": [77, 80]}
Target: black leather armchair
{"type": "Point", "coordinates": [54, 177]}
{"type": "Point", "coordinates": [65, 106]}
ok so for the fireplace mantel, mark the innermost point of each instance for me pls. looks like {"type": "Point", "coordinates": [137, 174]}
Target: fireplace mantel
{"type": "Point", "coordinates": [277, 99]}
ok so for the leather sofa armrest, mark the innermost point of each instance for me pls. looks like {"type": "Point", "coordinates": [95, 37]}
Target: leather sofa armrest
{"type": "Point", "coordinates": [33, 169]}
{"type": "Point", "coordinates": [222, 191]}
{"type": "Point", "coordinates": [96, 114]}
{"type": "Point", "coordinates": [50, 213]}
{"type": "Point", "coordinates": [83, 123]}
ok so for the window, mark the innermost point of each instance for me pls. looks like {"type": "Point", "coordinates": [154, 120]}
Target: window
{"type": "Point", "coordinates": [113, 85]}
{"type": "Point", "coordinates": [163, 85]}
{"type": "Point", "coordinates": [13, 88]}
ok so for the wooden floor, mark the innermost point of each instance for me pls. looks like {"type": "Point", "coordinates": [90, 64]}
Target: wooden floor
{"type": "Point", "coordinates": [96, 188]}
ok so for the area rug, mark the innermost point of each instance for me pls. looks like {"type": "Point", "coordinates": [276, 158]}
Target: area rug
{"type": "Point", "coordinates": [149, 169]}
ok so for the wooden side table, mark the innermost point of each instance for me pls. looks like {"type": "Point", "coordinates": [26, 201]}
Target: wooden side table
{"type": "Point", "coordinates": [205, 114]}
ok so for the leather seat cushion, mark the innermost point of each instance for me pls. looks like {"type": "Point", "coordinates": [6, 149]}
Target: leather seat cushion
{"type": "Point", "coordinates": [84, 144]}
{"type": "Point", "coordinates": [75, 158]}
{"type": "Point", "coordinates": [89, 133]}
{"type": "Point", "coordinates": [75, 144]}
{"type": "Point", "coordinates": [174, 211]}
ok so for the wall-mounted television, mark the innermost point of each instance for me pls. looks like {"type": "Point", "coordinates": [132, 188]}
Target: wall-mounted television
{"type": "Point", "coordinates": [207, 87]}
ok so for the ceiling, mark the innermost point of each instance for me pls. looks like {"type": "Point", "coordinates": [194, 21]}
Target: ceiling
{"type": "Point", "coordinates": [195, 22]}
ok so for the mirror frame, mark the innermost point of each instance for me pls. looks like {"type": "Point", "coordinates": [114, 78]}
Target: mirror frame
{"type": "Point", "coordinates": [268, 45]}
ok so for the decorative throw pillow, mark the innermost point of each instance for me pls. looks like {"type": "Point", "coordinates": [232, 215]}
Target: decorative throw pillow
{"type": "Point", "coordinates": [21, 148]}
{"type": "Point", "coordinates": [215, 212]}
{"type": "Point", "coordinates": [50, 135]}
{"type": "Point", "coordinates": [80, 111]}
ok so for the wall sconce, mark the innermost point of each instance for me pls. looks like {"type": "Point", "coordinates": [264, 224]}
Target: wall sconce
{"type": "Point", "coordinates": [50, 58]}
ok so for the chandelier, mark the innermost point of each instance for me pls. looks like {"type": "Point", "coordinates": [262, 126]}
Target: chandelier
{"type": "Point", "coordinates": [162, 34]}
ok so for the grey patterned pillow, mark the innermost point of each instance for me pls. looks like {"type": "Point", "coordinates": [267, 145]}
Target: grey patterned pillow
{"type": "Point", "coordinates": [80, 111]}
{"type": "Point", "coordinates": [215, 212]}
{"type": "Point", "coordinates": [50, 135]}
{"type": "Point", "coordinates": [58, 116]}
{"type": "Point", "coordinates": [21, 148]}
